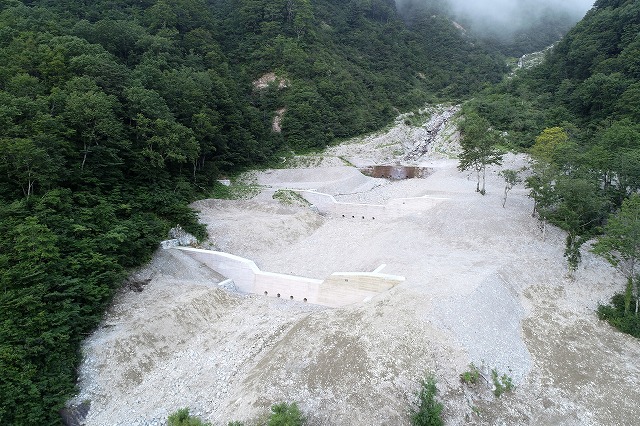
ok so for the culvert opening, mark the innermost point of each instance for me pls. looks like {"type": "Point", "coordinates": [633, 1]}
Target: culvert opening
{"type": "Point", "coordinates": [396, 172]}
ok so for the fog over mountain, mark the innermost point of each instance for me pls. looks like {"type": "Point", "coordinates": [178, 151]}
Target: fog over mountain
{"type": "Point", "coordinates": [505, 16]}
{"type": "Point", "coordinates": [513, 27]}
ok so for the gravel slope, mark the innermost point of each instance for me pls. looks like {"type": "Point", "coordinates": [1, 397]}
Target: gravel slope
{"type": "Point", "coordinates": [482, 286]}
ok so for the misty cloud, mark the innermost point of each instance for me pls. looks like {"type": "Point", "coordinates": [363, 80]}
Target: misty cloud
{"type": "Point", "coordinates": [516, 11]}
{"type": "Point", "coordinates": [505, 16]}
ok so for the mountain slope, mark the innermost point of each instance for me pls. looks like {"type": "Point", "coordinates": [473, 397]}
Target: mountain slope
{"type": "Point", "coordinates": [113, 115]}
{"type": "Point", "coordinates": [350, 66]}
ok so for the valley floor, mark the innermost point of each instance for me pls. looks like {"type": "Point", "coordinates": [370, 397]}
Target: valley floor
{"type": "Point", "coordinates": [482, 286]}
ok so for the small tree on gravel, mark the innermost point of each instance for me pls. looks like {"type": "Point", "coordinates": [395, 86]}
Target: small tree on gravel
{"type": "Point", "coordinates": [478, 148]}
{"type": "Point", "coordinates": [511, 179]}
{"type": "Point", "coordinates": [429, 412]}
{"type": "Point", "coordinates": [183, 418]}
{"type": "Point", "coordinates": [284, 414]}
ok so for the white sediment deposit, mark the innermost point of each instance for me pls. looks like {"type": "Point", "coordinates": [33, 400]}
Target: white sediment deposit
{"type": "Point", "coordinates": [482, 286]}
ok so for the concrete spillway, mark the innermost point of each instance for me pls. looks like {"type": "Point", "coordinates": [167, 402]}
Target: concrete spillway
{"type": "Point", "coordinates": [339, 289]}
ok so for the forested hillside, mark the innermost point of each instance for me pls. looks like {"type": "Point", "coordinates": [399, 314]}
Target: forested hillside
{"type": "Point", "coordinates": [579, 112]}
{"type": "Point", "coordinates": [349, 66]}
{"type": "Point", "coordinates": [113, 115]}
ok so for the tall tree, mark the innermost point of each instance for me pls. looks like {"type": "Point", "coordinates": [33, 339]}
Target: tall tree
{"type": "Point", "coordinates": [549, 146]}
{"type": "Point", "coordinates": [24, 163]}
{"type": "Point", "coordinates": [620, 244]}
{"type": "Point", "coordinates": [565, 194]}
{"type": "Point", "coordinates": [478, 148]}
{"type": "Point", "coordinates": [577, 207]}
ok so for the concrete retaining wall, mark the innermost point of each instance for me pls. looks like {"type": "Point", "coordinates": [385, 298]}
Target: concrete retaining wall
{"type": "Point", "coordinates": [339, 289]}
{"type": "Point", "coordinates": [242, 271]}
{"type": "Point", "coordinates": [327, 204]}
{"type": "Point", "coordinates": [287, 286]}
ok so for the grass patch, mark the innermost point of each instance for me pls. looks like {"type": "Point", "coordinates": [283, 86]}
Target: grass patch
{"type": "Point", "coordinates": [429, 412]}
{"type": "Point", "coordinates": [183, 418]}
{"type": "Point", "coordinates": [237, 191]}
{"type": "Point", "coordinates": [290, 198]}
{"type": "Point", "coordinates": [501, 384]}
{"type": "Point", "coordinates": [242, 187]}
{"type": "Point", "coordinates": [346, 162]}
{"type": "Point", "coordinates": [305, 161]}
{"type": "Point", "coordinates": [471, 376]}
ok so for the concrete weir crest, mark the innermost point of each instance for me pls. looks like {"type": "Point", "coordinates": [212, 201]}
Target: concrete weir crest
{"type": "Point", "coordinates": [339, 289]}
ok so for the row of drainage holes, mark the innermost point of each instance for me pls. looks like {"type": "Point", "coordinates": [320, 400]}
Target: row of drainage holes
{"type": "Point", "coordinates": [290, 297]}
{"type": "Point", "coordinates": [353, 217]}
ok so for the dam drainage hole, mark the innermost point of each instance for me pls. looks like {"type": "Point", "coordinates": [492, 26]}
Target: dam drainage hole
{"type": "Point", "coordinates": [291, 297]}
{"type": "Point", "coordinates": [304, 300]}
{"type": "Point", "coordinates": [266, 292]}
{"type": "Point", "coordinates": [278, 294]}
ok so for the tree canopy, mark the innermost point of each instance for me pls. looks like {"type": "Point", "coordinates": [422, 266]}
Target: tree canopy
{"type": "Point", "coordinates": [478, 148]}
{"type": "Point", "coordinates": [620, 242]}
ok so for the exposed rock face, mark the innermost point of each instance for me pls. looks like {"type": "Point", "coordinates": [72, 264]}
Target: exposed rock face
{"type": "Point", "coordinates": [182, 237]}
{"type": "Point", "coordinates": [459, 27]}
{"type": "Point", "coordinates": [438, 135]}
{"type": "Point", "coordinates": [271, 79]}
{"type": "Point", "coordinates": [277, 120]}
{"type": "Point", "coordinates": [429, 134]}
{"type": "Point", "coordinates": [268, 78]}
{"type": "Point", "coordinates": [531, 60]}
{"type": "Point", "coordinates": [74, 415]}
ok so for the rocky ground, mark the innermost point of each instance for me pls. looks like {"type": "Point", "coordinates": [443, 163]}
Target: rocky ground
{"type": "Point", "coordinates": [482, 286]}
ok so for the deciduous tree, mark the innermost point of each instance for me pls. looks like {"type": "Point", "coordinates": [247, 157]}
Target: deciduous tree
{"type": "Point", "coordinates": [620, 243]}
{"type": "Point", "coordinates": [478, 148]}
{"type": "Point", "coordinates": [511, 179]}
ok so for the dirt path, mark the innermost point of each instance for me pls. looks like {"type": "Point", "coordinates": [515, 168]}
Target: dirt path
{"type": "Point", "coordinates": [482, 286]}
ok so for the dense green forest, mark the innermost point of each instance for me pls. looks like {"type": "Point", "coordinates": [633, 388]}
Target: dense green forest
{"type": "Point", "coordinates": [578, 116]}
{"type": "Point", "coordinates": [115, 114]}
